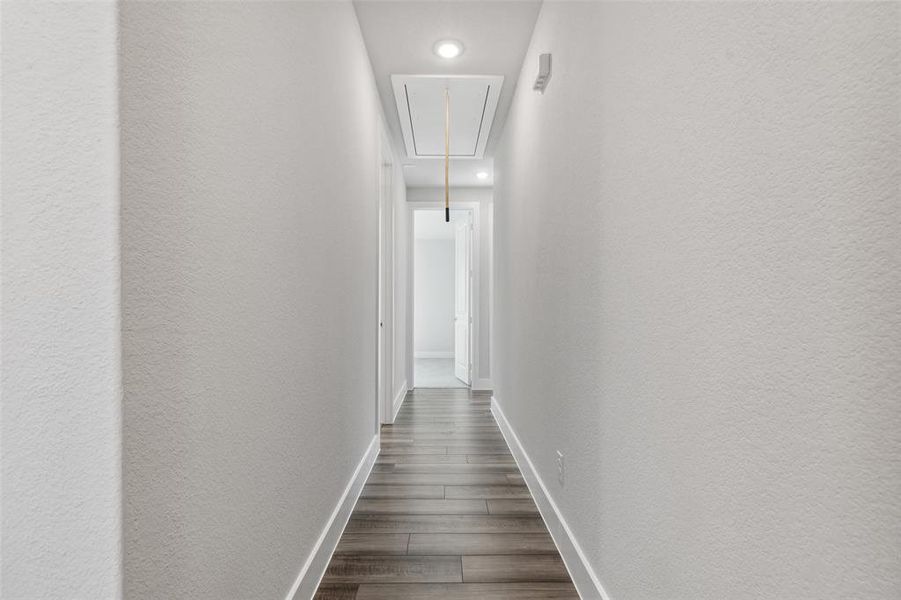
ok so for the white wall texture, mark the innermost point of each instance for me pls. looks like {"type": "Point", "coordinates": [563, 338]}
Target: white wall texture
{"type": "Point", "coordinates": [484, 197]}
{"type": "Point", "coordinates": [250, 190]}
{"type": "Point", "coordinates": [61, 385]}
{"type": "Point", "coordinates": [698, 300]}
{"type": "Point", "coordinates": [433, 318]}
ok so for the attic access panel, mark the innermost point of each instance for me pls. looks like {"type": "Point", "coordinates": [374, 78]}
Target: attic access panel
{"type": "Point", "coordinates": [420, 108]}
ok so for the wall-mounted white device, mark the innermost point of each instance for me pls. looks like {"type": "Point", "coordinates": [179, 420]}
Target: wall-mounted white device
{"type": "Point", "coordinates": [544, 73]}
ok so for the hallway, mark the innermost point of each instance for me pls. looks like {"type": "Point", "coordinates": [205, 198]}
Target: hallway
{"type": "Point", "coordinates": [446, 299]}
{"type": "Point", "coordinates": [445, 514]}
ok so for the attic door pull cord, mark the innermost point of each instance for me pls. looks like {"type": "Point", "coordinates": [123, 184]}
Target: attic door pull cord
{"type": "Point", "coordinates": [446, 156]}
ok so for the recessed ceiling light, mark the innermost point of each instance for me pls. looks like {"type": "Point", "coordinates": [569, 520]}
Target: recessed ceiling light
{"type": "Point", "coordinates": [448, 48]}
{"type": "Point", "coordinates": [482, 175]}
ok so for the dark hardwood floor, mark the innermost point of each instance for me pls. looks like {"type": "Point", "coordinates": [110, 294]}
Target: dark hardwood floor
{"type": "Point", "coordinates": [445, 514]}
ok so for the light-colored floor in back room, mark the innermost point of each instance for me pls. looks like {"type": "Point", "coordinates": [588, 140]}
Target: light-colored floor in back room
{"type": "Point", "coordinates": [445, 514]}
{"type": "Point", "coordinates": [435, 373]}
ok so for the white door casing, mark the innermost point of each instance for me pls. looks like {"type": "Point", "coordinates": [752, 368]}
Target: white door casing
{"type": "Point", "coordinates": [462, 297]}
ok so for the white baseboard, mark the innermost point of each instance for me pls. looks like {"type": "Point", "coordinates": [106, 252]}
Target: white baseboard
{"type": "Point", "coordinates": [586, 581]}
{"type": "Point", "coordinates": [432, 354]}
{"type": "Point", "coordinates": [314, 568]}
{"type": "Point", "coordinates": [399, 398]}
{"type": "Point", "coordinates": [481, 385]}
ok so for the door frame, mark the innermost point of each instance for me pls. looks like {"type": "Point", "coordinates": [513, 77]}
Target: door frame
{"type": "Point", "coordinates": [474, 209]}
{"type": "Point", "coordinates": [464, 231]}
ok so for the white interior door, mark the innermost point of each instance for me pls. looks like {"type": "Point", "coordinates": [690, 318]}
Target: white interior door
{"type": "Point", "coordinates": [381, 309]}
{"type": "Point", "coordinates": [462, 296]}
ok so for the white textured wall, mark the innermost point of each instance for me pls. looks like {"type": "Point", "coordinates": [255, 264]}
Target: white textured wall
{"type": "Point", "coordinates": [433, 314]}
{"type": "Point", "coordinates": [61, 440]}
{"type": "Point", "coordinates": [698, 246]}
{"type": "Point", "coordinates": [484, 197]}
{"type": "Point", "coordinates": [250, 191]}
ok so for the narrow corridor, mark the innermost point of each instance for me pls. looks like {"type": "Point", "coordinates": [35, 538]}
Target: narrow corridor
{"type": "Point", "coordinates": [445, 514]}
{"type": "Point", "coordinates": [263, 260]}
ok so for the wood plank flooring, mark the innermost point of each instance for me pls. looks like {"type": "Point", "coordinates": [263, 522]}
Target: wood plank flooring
{"type": "Point", "coordinates": [445, 514]}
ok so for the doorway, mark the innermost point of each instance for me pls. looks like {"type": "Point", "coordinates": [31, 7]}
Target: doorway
{"type": "Point", "coordinates": [442, 298]}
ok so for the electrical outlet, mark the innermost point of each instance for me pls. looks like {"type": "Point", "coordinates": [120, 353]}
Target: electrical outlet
{"type": "Point", "coordinates": [561, 468]}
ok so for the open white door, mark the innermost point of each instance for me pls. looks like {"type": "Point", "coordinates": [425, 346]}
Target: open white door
{"type": "Point", "coordinates": [462, 296]}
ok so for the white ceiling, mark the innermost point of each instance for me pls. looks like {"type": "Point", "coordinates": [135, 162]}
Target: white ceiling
{"type": "Point", "coordinates": [430, 173]}
{"type": "Point", "coordinates": [399, 37]}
